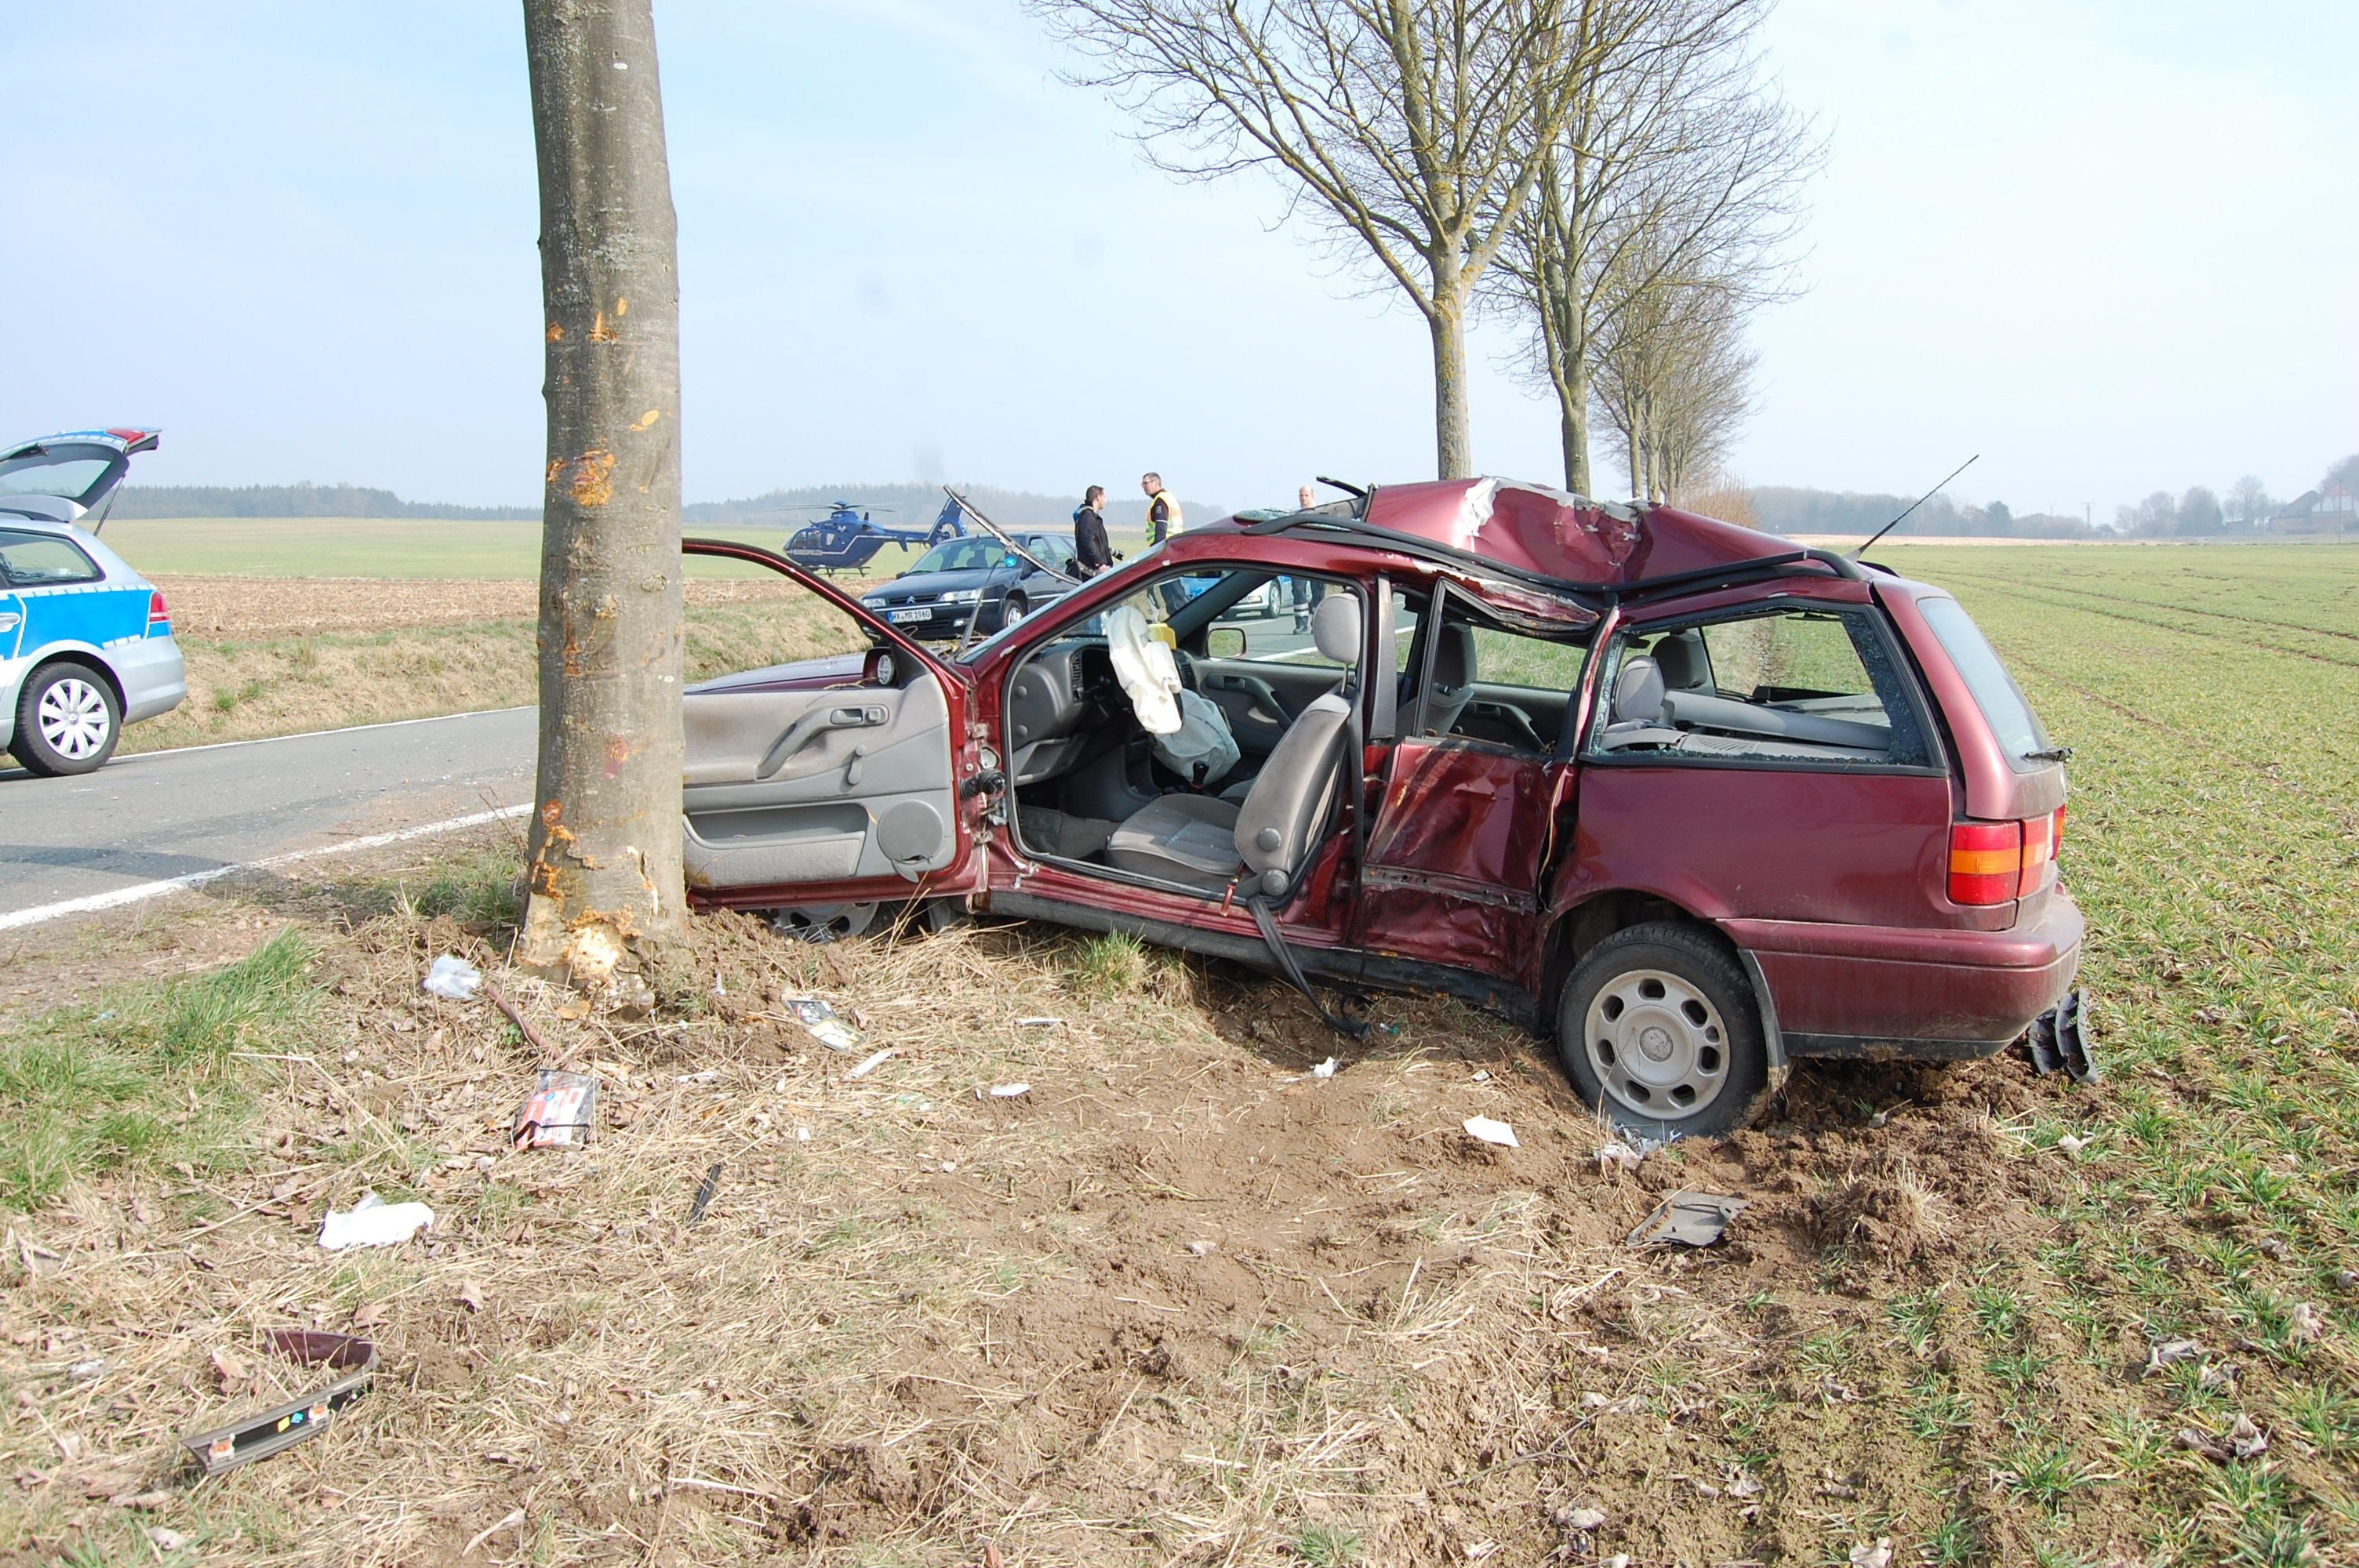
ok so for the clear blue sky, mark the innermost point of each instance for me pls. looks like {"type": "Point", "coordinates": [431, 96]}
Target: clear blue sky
{"type": "Point", "coordinates": [2109, 245]}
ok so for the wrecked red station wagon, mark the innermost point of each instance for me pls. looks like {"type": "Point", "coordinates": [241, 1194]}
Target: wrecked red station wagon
{"type": "Point", "coordinates": [1684, 797]}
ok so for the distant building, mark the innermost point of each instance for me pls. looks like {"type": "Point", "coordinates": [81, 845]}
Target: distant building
{"type": "Point", "coordinates": [2326, 510]}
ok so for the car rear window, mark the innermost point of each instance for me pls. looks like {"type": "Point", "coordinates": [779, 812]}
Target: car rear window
{"type": "Point", "coordinates": [2004, 708]}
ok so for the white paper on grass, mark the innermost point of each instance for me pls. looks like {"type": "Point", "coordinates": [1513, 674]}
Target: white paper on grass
{"type": "Point", "coordinates": [871, 1065]}
{"type": "Point", "coordinates": [1490, 1131]}
{"type": "Point", "coordinates": [1009, 1091]}
{"type": "Point", "coordinates": [371, 1222]}
{"type": "Point", "coordinates": [452, 977]}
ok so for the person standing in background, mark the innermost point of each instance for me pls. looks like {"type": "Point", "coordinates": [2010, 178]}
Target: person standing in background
{"type": "Point", "coordinates": [1304, 499]}
{"type": "Point", "coordinates": [1162, 512]}
{"type": "Point", "coordinates": [1307, 594]}
{"type": "Point", "coordinates": [1091, 553]}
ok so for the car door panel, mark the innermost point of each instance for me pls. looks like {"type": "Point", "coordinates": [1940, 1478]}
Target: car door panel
{"type": "Point", "coordinates": [12, 623]}
{"type": "Point", "coordinates": [812, 786]}
{"type": "Point", "coordinates": [1260, 697]}
{"type": "Point", "coordinates": [1452, 866]}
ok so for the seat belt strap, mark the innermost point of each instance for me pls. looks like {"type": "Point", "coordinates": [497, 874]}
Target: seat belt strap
{"type": "Point", "coordinates": [1348, 1028]}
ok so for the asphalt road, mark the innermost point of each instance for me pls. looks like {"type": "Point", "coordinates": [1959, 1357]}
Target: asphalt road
{"type": "Point", "coordinates": [175, 817]}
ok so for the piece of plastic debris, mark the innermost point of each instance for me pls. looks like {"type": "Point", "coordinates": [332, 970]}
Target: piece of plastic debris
{"type": "Point", "coordinates": [1325, 1070]}
{"type": "Point", "coordinates": [870, 1064]}
{"type": "Point", "coordinates": [1876, 1556]}
{"type": "Point", "coordinates": [1614, 1152]}
{"type": "Point", "coordinates": [1690, 1218]}
{"type": "Point", "coordinates": [1042, 1022]}
{"type": "Point", "coordinates": [704, 1190]}
{"type": "Point", "coordinates": [819, 1020]}
{"type": "Point", "coordinates": [802, 1134]}
{"type": "Point", "coordinates": [1009, 1091]}
{"type": "Point", "coordinates": [2072, 1143]}
{"type": "Point", "coordinates": [1585, 1518]}
{"type": "Point", "coordinates": [83, 1371]}
{"type": "Point", "coordinates": [265, 1432]}
{"type": "Point", "coordinates": [704, 1077]}
{"type": "Point", "coordinates": [1485, 1129]}
{"type": "Point", "coordinates": [561, 1112]}
{"type": "Point", "coordinates": [2164, 1352]}
{"type": "Point", "coordinates": [1482, 1074]}
{"type": "Point", "coordinates": [1203, 1248]}
{"type": "Point", "coordinates": [452, 977]}
{"type": "Point", "coordinates": [371, 1222]}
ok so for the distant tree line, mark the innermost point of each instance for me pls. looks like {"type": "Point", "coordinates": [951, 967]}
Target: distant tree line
{"type": "Point", "coordinates": [1789, 509]}
{"type": "Point", "coordinates": [295, 501]}
{"type": "Point", "coordinates": [2200, 512]}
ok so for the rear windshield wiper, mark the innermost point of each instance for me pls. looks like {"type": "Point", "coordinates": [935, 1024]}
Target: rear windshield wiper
{"type": "Point", "coordinates": [2053, 755]}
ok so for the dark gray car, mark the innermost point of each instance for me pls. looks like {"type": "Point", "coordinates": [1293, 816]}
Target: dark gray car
{"type": "Point", "coordinates": [977, 577]}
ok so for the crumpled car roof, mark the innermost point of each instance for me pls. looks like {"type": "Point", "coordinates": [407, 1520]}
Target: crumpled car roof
{"type": "Point", "coordinates": [1567, 538]}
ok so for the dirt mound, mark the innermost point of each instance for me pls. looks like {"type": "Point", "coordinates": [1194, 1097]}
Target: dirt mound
{"type": "Point", "coordinates": [1888, 1212]}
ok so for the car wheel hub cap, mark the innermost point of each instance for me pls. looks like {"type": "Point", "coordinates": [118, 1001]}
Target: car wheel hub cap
{"type": "Point", "coordinates": [72, 720]}
{"type": "Point", "coordinates": [1657, 1045]}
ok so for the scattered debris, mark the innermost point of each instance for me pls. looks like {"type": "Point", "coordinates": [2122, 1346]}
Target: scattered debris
{"type": "Point", "coordinates": [2245, 1441]}
{"type": "Point", "coordinates": [561, 1112]}
{"type": "Point", "coordinates": [1582, 1519]}
{"type": "Point", "coordinates": [2305, 1324]}
{"type": "Point", "coordinates": [265, 1432]}
{"type": "Point", "coordinates": [1690, 1218]}
{"type": "Point", "coordinates": [1042, 1022]}
{"type": "Point", "coordinates": [1202, 1249]}
{"type": "Point", "coordinates": [1614, 1152]}
{"type": "Point", "coordinates": [1487, 1130]}
{"type": "Point", "coordinates": [1482, 1076]}
{"type": "Point", "coordinates": [166, 1540]}
{"type": "Point", "coordinates": [471, 1296]}
{"type": "Point", "coordinates": [232, 1370]}
{"type": "Point", "coordinates": [2167, 1351]}
{"type": "Point", "coordinates": [2218, 1378]}
{"type": "Point", "coordinates": [1325, 1070]}
{"type": "Point", "coordinates": [1876, 1556]}
{"type": "Point", "coordinates": [2347, 1281]}
{"type": "Point", "coordinates": [83, 1371]}
{"type": "Point", "coordinates": [2073, 1142]}
{"type": "Point", "coordinates": [821, 1021]}
{"type": "Point", "coordinates": [870, 1064]}
{"type": "Point", "coordinates": [704, 1190]}
{"type": "Point", "coordinates": [2059, 1040]}
{"type": "Point", "coordinates": [371, 1222]}
{"type": "Point", "coordinates": [1005, 1091]}
{"type": "Point", "coordinates": [452, 977]}
{"type": "Point", "coordinates": [704, 1076]}
{"type": "Point", "coordinates": [1743, 1483]}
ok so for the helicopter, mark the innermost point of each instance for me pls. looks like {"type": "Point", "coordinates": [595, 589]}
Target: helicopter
{"type": "Point", "coordinates": [846, 540]}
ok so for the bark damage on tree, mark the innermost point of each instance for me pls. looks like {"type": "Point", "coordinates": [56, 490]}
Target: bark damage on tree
{"type": "Point", "coordinates": [605, 892]}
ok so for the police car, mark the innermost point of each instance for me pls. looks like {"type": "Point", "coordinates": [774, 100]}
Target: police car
{"type": "Point", "coordinates": [85, 643]}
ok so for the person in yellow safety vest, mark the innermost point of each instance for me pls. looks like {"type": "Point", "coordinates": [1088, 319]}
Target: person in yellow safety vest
{"type": "Point", "coordinates": [1162, 512]}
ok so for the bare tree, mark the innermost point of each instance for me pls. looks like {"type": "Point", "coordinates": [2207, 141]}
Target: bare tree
{"type": "Point", "coordinates": [1411, 130]}
{"type": "Point", "coordinates": [1678, 166]}
{"type": "Point", "coordinates": [2249, 503]}
{"type": "Point", "coordinates": [603, 880]}
{"type": "Point", "coordinates": [1673, 378]}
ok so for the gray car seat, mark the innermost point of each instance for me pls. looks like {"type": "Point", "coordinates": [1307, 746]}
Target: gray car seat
{"type": "Point", "coordinates": [1681, 657]}
{"type": "Point", "coordinates": [1637, 715]}
{"type": "Point", "coordinates": [1199, 841]}
{"type": "Point", "coordinates": [1452, 685]}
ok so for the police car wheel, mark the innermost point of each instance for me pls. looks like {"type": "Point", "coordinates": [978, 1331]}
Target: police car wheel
{"type": "Point", "coordinates": [67, 721]}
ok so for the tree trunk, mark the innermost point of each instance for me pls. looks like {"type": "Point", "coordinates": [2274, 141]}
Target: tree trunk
{"type": "Point", "coordinates": [1453, 439]}
{"type": "Point", "coordinates": [604, 879]}
{"type": "Point", "coordinates": [1572, 406]}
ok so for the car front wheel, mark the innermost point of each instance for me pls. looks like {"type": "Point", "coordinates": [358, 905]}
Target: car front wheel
{"type": "Point", "coordinates": [1013, 608]}
{"type": "Point", "coordinates": [1658, 1030]}
{"type": "Point", "coordinates": [67, 721]}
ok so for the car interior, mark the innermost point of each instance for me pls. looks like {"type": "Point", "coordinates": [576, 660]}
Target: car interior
{"type": "Point", "coordinates": [1788, 687]}
{"type": "Point", "coordinates": [1091, 784]}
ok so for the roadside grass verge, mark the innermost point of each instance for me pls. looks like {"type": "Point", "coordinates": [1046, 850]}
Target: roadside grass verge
{"type": "Point", "coordinates": [144, 1079]}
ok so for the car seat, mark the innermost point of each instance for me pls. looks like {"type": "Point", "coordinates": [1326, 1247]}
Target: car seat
{"type": "Point", "coordinates": [1203, 842]}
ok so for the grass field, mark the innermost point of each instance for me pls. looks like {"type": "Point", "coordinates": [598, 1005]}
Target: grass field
{"type": "Point", "coordinates": [1179, 1304]}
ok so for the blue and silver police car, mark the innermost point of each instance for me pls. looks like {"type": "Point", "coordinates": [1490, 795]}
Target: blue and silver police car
{"type": "Point", "coordinates": [85, 642]}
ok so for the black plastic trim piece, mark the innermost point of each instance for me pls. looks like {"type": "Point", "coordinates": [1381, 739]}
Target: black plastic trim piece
{"type": "Point", "coordinates": [1871, 1048]}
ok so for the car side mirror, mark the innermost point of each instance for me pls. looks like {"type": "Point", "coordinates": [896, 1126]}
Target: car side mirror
{"type": "Point", "coordinates": [879, 667]}
{"type": "Point", "coordinates": [1224, 643]}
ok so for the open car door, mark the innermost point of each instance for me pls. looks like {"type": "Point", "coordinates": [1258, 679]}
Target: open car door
{"type": "Point", "coordinates": [832, 781]}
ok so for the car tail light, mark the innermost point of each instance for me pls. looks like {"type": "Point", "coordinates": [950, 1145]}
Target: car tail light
{"type": "Point", "coordinates": [1985, 862]}
{"type": "Point", "coordinates": [2038, 848]}
{"type": "Point", "coordinates": [2056, 839]}
{"type": "Point", "coordinates": [158, 613]}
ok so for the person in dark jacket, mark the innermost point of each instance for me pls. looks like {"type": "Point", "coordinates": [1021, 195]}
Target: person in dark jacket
{"type": "Point", "coordinates": [1091, 553]}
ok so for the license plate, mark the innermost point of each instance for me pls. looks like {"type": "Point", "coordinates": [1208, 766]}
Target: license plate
{"type": "Point", "coordinates": [903, 617]}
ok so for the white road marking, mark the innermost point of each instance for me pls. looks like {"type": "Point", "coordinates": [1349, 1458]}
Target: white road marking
{"type": "Point", "coordinates": [142, 891]}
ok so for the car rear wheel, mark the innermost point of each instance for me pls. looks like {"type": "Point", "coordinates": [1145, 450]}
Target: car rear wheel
{"type": "Point", "coordinates": [1014, 608]}
{"type": "Point", "coordinates": [67, 721]}
{"type": "Point", "coordinates": [1659, 1031]}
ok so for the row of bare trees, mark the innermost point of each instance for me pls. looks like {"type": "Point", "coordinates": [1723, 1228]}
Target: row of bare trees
{"type": "Point", "coordinates": [1616, 175]}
